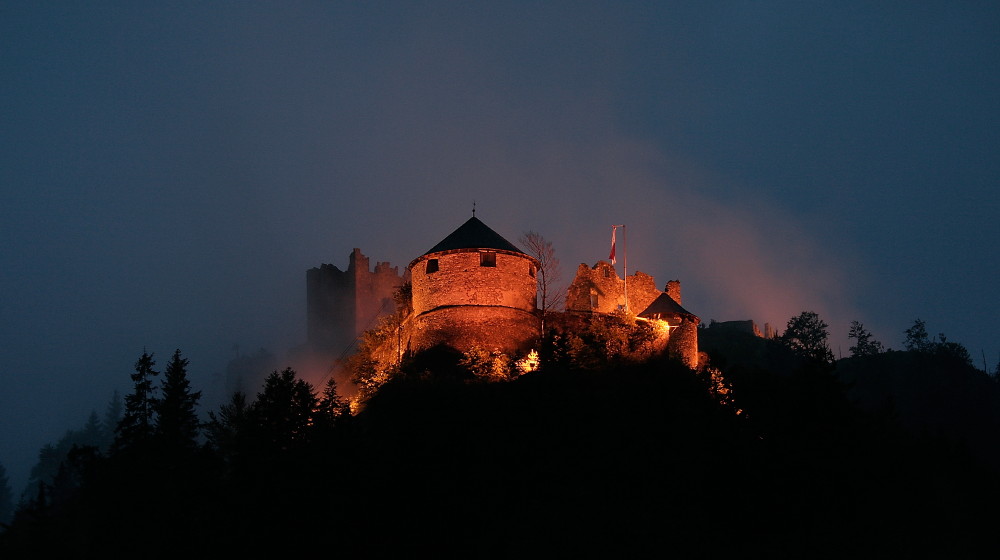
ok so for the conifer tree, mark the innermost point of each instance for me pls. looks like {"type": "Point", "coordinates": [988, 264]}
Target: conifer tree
{"type": "Point", "coordinates": [177, 424]}
{"type": "Point", "coordinates": [331, 407]}
{"type": "Point", "coordinates": [112, 416]}
{"type": "Point", "coordinates": [136, 426]}
{"type": "Point", "coordinates": [6, 497]}
{"type": "Point", "coordinates": [227, 431]}
{"type": "Point", "coordinates": [283, 410]}
{"type": "Point", "coordinates": [92, 432]}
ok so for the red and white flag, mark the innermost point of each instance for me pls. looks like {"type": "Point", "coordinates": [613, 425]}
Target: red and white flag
{"type": "Point", "coordinates": [612, 256]}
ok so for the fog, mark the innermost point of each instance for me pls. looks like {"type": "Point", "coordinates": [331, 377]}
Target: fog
{"type": "Point", "coordinates": [169, 175]}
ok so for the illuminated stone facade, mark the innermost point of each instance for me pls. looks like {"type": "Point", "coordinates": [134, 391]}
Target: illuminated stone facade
{"type": "Point", "coordinates": [474, 289]}
{"type": "Point", "coordinates": [599, 289]}
{"type": "Point", "coordinates": [677, 327]}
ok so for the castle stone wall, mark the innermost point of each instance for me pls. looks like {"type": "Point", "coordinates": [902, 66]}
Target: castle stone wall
{"type": "Point", "coordinates": [460, 303]}
{"type": "Point", "coordinates": [461, 280]}
{"type": "Point", "coordinates": [748, 326]}
{"type": "Point", "coordinates": [341, 304]}
{"type": "Point", "coordinates": [601, 290]}
{"type": "Point", "coordinates": [514, 331]}
{"type": "Point", "coordinates": [683, 342]}
{"type": "Point", "coordinates": [673, 289]}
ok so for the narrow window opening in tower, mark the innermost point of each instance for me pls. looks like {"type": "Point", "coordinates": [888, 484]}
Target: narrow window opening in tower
{"type": "Point", "coordinates": [487, 258]}
{"type": "Point", "coordinates": [607, 273]}
{"type": "Point", "coordinates": [531, 270]}
{"type": "Point", "coordinates": [593, 301]}
{"type": "Point", "coordinates": [432, 265]}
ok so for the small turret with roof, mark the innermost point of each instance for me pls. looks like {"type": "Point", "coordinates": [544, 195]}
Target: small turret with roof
{"type": "Point", "coordinates": [679, 324]}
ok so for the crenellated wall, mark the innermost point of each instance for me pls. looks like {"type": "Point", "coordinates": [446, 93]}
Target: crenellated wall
{"type": "Point", "coordinates": [601, 290]}
{"type": "Point", "coordinates": [342, 304]}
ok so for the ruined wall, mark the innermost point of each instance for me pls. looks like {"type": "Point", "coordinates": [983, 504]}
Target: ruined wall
{"type": "Point", "coordinates": [329, 306]}
{"type": "Point", "coordinates": [748, 326]}
{"type": "Point", "coordinates": [459, 302]}
{"type": "Point", "coordinates": [601, 290]}
{"type": "Point", "coordinates": [373, 290]}
{"type": "Point", "coordinates": [341, 304]}
{"type": "Point", "coordinates": [673, 289]}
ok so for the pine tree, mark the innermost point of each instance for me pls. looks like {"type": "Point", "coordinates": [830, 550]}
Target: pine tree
{"type": "Point", "coordinates": [136, 426]}
{"type": "Point", "coordinates": [92, 432]}
{"type": "Point", "coordinates": [331, 408]}
{"type": "Point", "coordinates": [331, 404]}
{"type": "Point", "coordinates": [227, 432]}
{"type": "Point", "coordinates": [283, 410]}
{"type": "Point", "coordinates": [6, 497]}
{"type": "Point", "coordinates": [177, 424]}
{"type": "Point", "coordinates": [112, 416]}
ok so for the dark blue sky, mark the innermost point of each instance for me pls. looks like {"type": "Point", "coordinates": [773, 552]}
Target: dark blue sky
{"type": "Point", "coordinates": [169, 173]}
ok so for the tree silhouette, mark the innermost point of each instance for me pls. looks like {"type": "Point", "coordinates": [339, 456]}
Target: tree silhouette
{"type": "Point", "coordinates": [283, 411]}
{"type": "Point", "coordinates": [549, 272]}
{"type": "Point", "coordinates": [6, 497]}
{"type": "Point", "coordinates": [866, 345]}
{"type": "Point", "coordinates": [177, 424]}
{"type": "Point", "coordinates": [917, 338]}
{"type": "Point", "coordinates": [136, 426]}
{"type": "Point", "coordinates": [951, 350]}
{"type": "Point", "coordinates": [112, 416]}
{"type": "Point", "coordinates": [331, 408]}
{"type": "Point", "coordinates": [806, 335]}
{"type": "Point", "coordinates": [228, 431]}
{"type": "Point", "coordinates": [52, 455]}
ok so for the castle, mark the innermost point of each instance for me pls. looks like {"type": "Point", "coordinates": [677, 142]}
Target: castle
{"type": "Point", "coordinates": [342, 304]}
{"type": "Point", "coordinates": [475, 289]}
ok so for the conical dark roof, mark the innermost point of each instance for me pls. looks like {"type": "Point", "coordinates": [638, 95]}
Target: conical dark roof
{"type": "Point", "coordinates": [664, 304]}
{"type": "Point", "coordinates": [474, 234]}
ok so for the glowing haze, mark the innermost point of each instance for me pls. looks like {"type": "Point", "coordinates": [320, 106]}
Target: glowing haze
{"type": "Point", "coordinates": [169, 174]}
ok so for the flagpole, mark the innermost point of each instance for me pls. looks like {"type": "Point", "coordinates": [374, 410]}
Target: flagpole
{"type": "Point", "coordinates": [625, 265]}
{"type": "Point", "coordinates": [624, 259]}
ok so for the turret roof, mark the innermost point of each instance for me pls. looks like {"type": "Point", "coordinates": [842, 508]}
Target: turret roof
{"type": "Point", "coordinates": [474, 234]}
{"type": "Point", "coordinates": [664, 304]}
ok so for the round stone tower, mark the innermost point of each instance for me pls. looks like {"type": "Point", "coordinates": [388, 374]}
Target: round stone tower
{"type": "Point", "coordinates": [474, 288]}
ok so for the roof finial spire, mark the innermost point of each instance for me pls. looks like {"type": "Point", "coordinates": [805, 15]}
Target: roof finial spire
{"type": "Point", "coordinates": [473, 208]}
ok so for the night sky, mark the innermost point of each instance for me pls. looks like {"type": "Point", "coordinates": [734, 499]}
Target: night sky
{"type": "Point", "coordinates": [169, 174]}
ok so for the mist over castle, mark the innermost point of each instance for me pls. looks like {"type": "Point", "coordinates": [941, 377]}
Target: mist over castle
{"type": "Point", "coordinates": [477, 290]}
